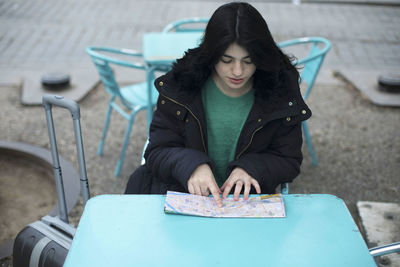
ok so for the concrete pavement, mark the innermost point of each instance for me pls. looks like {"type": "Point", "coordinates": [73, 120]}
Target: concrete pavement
{"type": "Point", "coordinates": [41, 34]}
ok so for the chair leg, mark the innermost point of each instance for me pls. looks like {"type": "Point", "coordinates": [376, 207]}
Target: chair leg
{"type": "Point", "coordinates": [105, 129]}
{"type": "Point", "coordinates": [309, 144]}
{"type": "Point", "coordinates": [285, 188]}
{"type": "Point", "coordinates": [150, 76]}
{"type": "Point", "coordinates": [125, 145]}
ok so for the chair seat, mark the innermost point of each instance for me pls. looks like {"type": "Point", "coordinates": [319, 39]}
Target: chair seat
{"type": "Point", "coordinates": [136, 94]}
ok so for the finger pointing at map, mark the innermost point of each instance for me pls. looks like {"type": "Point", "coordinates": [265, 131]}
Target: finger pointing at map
{"type": "Point", "coordinates": [202, 181]}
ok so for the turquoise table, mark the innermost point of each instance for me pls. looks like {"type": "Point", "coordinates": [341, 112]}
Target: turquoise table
{"type": "Point", "coordinates": [133, 230]}
{"type": "Point", "coordinates": [160, 50]}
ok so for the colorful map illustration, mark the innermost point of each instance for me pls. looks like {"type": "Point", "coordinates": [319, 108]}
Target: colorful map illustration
{"type": "Point", "coordinates": [260, 206]}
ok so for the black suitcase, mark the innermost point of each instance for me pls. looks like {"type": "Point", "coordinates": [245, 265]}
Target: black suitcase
{"type": "Point", "coordinates": [46, 242]}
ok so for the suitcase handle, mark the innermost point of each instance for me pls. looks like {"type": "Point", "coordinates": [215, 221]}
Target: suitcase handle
{"type": "Point", "coordinates": [60, 101]}
{"type": "Point", "coordinates": [48, 101]}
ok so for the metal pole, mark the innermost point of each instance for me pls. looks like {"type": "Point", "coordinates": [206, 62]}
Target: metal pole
{"type": "Point", "coordinates": [81, 161]}
{"type": "Point", "coordinates": [386, 249]}
{"type": "Point", "coordinates": [62, 206]}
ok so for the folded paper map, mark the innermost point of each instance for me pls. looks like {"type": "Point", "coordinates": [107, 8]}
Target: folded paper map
{"type": "Point", "coordinates": [260, 206]}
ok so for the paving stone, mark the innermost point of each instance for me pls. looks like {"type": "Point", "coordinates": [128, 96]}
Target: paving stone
{"type": "Point", "coordinates": [82, 81]}
{"type": "Point", "coordinates": [367, 83]}
{"type": "Point", "coordinates": [381, 222]}
{"type": "Point", "coordinates": [100, 20]}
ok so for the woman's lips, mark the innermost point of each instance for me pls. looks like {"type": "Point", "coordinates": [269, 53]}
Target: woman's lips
{"type": "Point", "coordinates": [236, 81]}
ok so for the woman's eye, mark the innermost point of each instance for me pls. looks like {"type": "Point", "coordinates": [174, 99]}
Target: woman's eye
{"type": "Point", "coordinates": [226, 61]}
{"type": "Point", "coordinates": [248, 62]}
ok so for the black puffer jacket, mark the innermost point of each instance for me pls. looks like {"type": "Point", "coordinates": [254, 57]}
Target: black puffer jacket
{"type": "Point", "coordinates": [269, 146]}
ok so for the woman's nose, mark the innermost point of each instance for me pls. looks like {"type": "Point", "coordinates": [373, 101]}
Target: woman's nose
{"type": "Point", "coordinates": [237, 69]}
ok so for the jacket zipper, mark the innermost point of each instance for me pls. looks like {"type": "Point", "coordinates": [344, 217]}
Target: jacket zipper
{"type": "Point", "coordinates": [251, 140]}
{"type": "Point", "coordinates": [198, 121]}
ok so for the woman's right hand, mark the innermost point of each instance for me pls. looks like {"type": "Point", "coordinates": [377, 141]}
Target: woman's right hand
{"type": "Point", "coordinates": [202, 182]}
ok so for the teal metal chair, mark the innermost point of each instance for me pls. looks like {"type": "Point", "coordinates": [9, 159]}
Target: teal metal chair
{"type": "Point", "coordinates": [195, 24]}
{"type": "Point", "coordinates": [309, 67]}
{"type": "Point", "coordinates": [132, 98]}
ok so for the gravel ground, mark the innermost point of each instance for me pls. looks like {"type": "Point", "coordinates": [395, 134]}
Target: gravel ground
{"type": "Point", "coordinates": [357, 143]}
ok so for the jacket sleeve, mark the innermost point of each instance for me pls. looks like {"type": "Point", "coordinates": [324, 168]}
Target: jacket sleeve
{"type": "Point", "coordinates": [279, 163]}
{"type": "Point", "coordinates": [166, 155]}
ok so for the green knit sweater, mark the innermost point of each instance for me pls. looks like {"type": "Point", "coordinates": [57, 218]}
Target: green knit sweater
{"type": "Point", "coordinates": [225, 117]}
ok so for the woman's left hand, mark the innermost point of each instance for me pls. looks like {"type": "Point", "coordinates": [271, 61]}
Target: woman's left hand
{"type": "Point", "coordinates": [239, 177]}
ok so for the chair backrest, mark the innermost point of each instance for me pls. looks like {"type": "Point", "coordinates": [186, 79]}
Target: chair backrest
{"type": "Point", "coordinates": [103, 62]}
{"type": "Point", "coordinates": [195, 24]}
{"type": "Point", "coordinates": [311, 64]}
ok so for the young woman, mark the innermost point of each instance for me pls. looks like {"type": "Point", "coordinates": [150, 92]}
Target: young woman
{"type": "Point", "coordinates": [228, 116]}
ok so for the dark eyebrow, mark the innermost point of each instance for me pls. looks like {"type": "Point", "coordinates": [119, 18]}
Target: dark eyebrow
{"type": "Point", "coordinates": [228, 56]}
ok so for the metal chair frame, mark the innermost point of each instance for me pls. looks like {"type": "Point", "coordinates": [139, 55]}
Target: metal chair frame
{"type": "Point", "coordinates": [385, 249]}
{"type": "Point", "coordinates": [179, 25]}
{"type": "Point", "coordinates": [134, 98]}
{"type": "Point", "coordinates": [310, 68]}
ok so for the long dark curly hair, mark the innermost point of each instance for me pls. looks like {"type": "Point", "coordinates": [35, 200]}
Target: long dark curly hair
{"type": "Point", "coordinates": [241, 23]}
